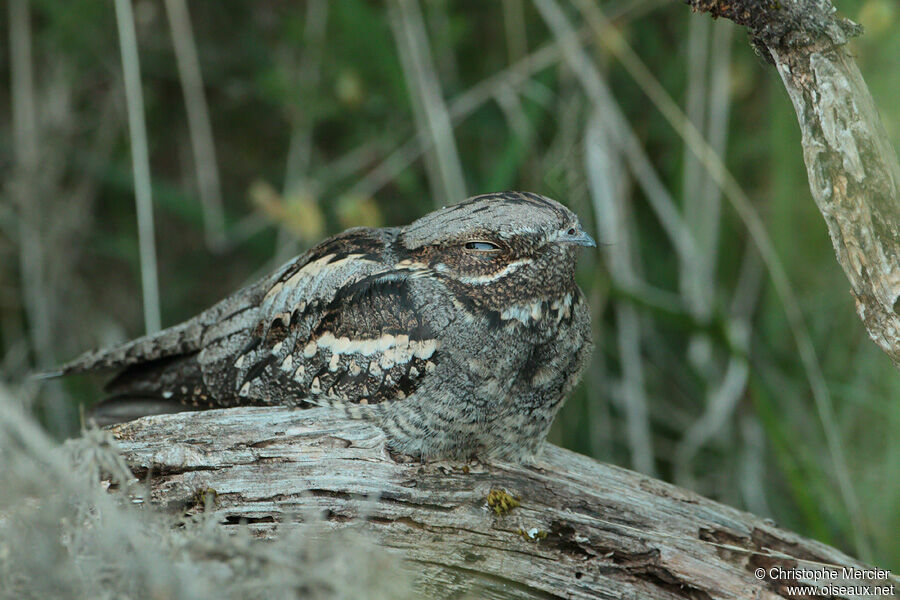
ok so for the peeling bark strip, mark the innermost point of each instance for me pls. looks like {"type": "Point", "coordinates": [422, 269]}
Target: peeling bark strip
{"type": "Point", "coordinates": [568, 528]}
{"type": "Point", "coordinates": [853, 171]}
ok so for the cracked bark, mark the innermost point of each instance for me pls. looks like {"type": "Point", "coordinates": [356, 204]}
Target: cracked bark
{"type": "Point", "coordinates": [582, 529]}
{"type": "Point", "coordinates": [853, 171]}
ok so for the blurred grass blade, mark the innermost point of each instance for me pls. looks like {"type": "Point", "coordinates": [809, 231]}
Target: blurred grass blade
{"type": "Point", "coordinates": [719, 110]}
{"type": "Point", "coordinates": [461, 107]}
{"type": "Point", "coordinates": [25, 151]}
{"type": "Point", "coordinates": [515, 30]}
{"type": "Point", "coordinates": [314, 43]}
{"type": "Point", "coordinates": [723, 398]}
{"type": "Point", "coordinates": [608, 190]}
{"type": "Point", "coordinates": [597, 90]}
{"type": "Point", "coordinates": [199, 123]}
{"type": "Point", "coordinates": [140, 163]}
{"type": "Point", "coordinates": [693, 275]}
{"type": "Point", "coordinates": [446, 175]}
{"type": "Point", "coordinates": [299, 154]}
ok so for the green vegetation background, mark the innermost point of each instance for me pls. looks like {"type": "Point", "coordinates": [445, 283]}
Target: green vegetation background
{"type": "Point", "coordinates": [768, 454]}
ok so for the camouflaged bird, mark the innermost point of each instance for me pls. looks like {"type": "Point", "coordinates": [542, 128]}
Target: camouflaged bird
{"type": "Point", "coordinates": [460, 335]}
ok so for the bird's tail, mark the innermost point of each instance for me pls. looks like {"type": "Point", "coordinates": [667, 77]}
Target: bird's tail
{"type": "Point", "coordinates": [174, 341]}
{"type": "Point", "coordinates": [165, 385]}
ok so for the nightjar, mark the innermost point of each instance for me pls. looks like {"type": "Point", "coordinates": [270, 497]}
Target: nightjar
{"type": "Point", "coordinates": [460, 335]}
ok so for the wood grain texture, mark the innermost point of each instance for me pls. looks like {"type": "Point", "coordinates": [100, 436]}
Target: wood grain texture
{"type": "Point", "coordinates": [582, 529]}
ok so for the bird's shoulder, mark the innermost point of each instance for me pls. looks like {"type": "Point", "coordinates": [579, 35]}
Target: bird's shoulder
{"type": "Point", "coordinates": [360, 250]}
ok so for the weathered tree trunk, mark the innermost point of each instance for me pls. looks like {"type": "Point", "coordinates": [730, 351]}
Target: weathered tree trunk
{"type": "Point", "coordinates": [853, 171]}
{"type": "Point", "coordinates": [567, 527]}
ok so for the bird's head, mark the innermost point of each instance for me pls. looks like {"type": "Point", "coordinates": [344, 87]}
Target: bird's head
{"type": "Point", "coordinates": [503, 249]}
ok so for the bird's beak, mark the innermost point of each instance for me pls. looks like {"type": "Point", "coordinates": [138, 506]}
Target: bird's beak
{"type": "Point", "coordinates": [581, 238]}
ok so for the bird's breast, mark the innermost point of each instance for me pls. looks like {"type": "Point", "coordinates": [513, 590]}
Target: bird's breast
{"type": "Point", "coordinates": [501, 345]}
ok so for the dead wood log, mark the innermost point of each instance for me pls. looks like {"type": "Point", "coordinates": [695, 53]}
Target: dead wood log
{"type": "Point", "coordinates": [567, 527]}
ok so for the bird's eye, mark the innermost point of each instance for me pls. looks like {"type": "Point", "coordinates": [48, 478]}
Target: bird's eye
{"type": "Point", "coordinates": [572, 231]}
{"type": "Point", "coordinates": [482, 246]}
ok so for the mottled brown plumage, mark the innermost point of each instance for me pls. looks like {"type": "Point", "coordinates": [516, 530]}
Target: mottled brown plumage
{"type": "Point", "coordinates": [459, 335]}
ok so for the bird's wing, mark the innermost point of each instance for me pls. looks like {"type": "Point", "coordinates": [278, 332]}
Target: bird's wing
{"type": "Point", "coordinates": [339, 325]}
{"type": "Point", "coordinates": [239, 311]}
{"type": "Point", "coordinates": [366, 344]}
